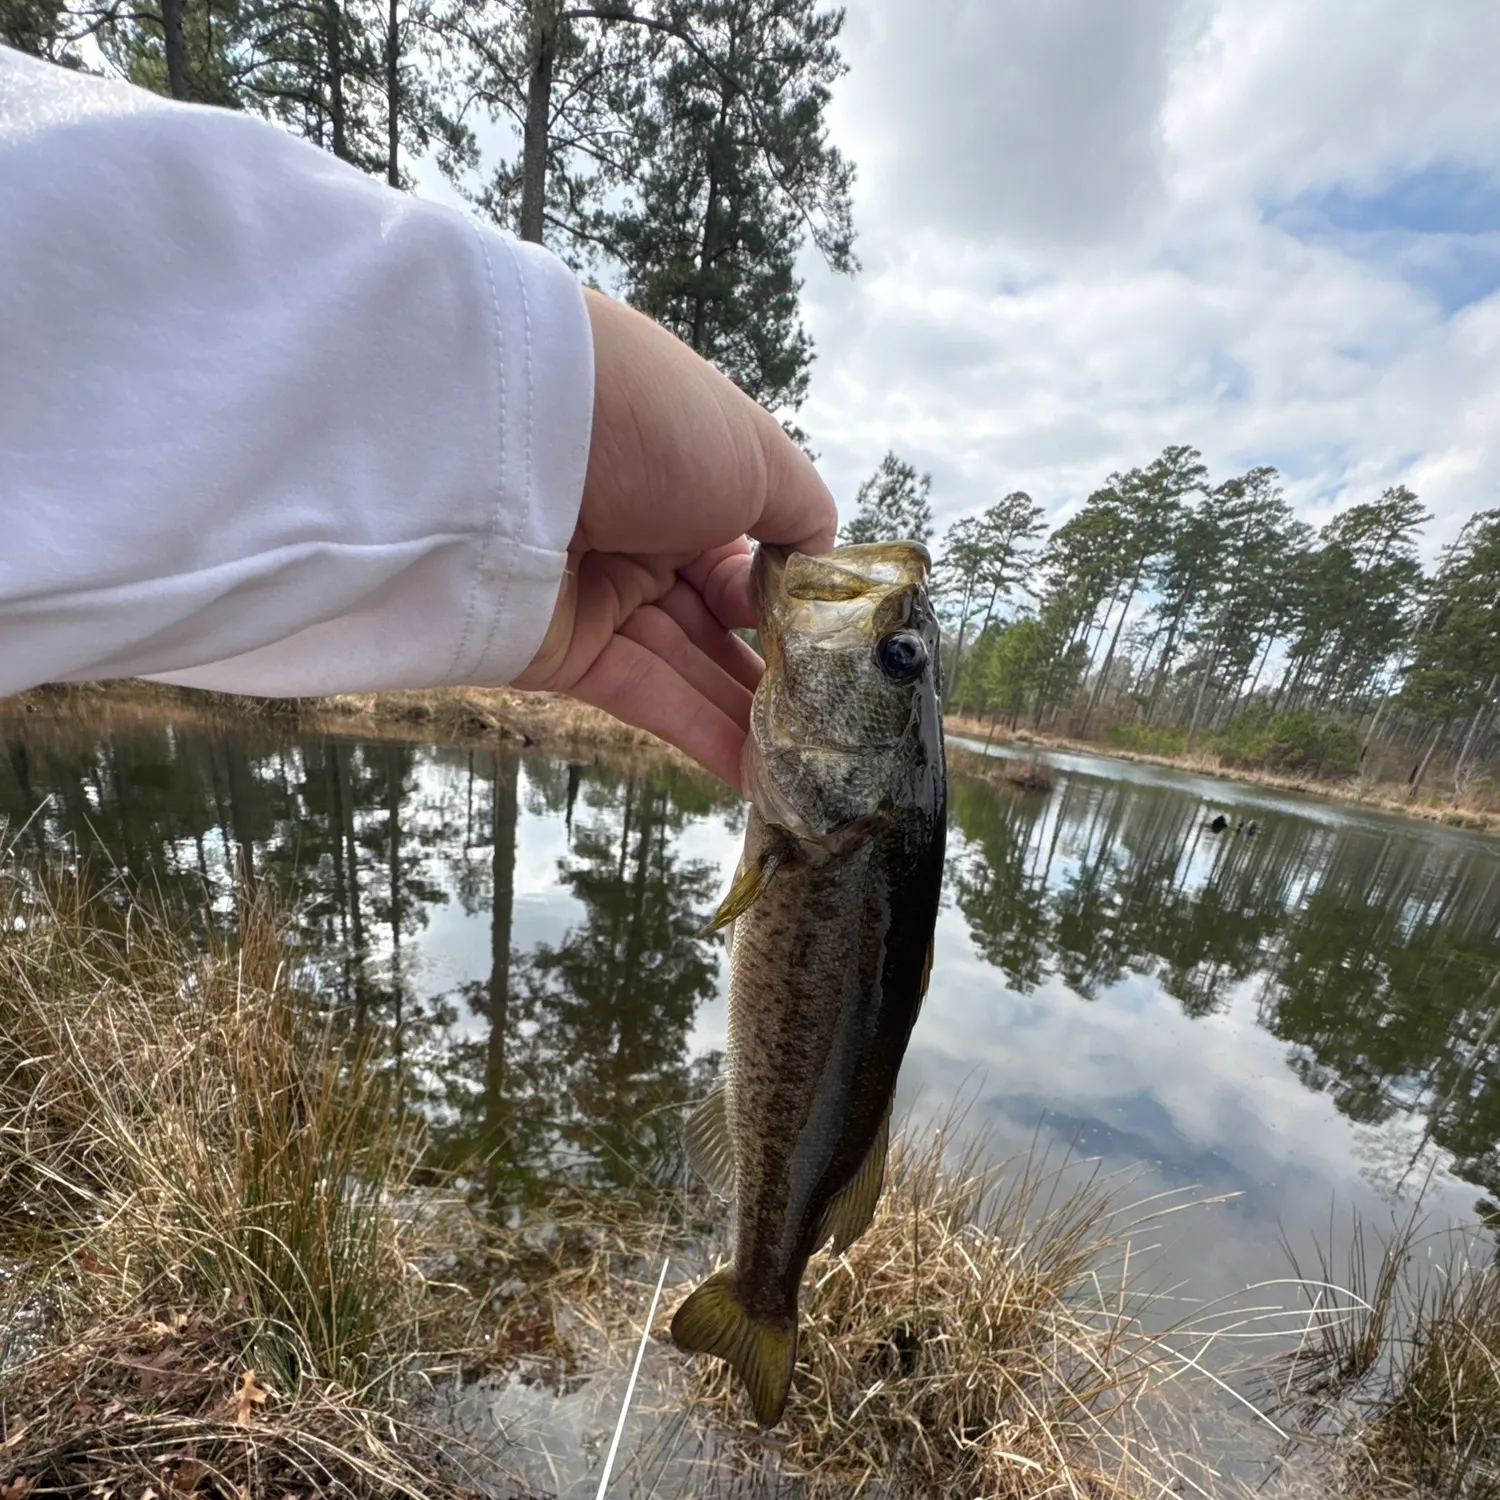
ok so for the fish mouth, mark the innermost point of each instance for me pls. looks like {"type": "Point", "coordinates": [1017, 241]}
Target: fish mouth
{"type": "Point", "coordinates": [863, 588]}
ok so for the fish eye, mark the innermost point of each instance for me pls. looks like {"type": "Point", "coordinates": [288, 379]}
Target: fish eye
{"type": "Point", "coordinates": [901, 656]}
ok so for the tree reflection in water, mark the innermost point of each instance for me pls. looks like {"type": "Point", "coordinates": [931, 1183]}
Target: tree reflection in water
{"type": "Point", "coordinates": [562, 1043]}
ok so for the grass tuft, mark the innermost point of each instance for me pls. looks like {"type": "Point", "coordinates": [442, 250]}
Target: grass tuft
{"type": "Point", "coordinates": [1402, 1365]}
{"type": "Point", "coordinates": [973, 1342]}
{"type": "Point", "coordinates": [204, 1193]}
{"type": "Point", "coordinates": [1028, 774]}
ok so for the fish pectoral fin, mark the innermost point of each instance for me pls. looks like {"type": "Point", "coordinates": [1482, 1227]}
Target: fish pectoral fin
{"type": "Point", "coordinates": [749, 883]}
{"type": "Point", "coordinates": [849, 1213]}
{"type": "Point", "coordinates": [709, 1145]}
{"type": "Point", "coordinates": [763, 1353]}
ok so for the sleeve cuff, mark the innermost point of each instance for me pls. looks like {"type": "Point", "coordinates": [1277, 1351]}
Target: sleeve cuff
{"type": "Point", "coordinates": [545, 412]}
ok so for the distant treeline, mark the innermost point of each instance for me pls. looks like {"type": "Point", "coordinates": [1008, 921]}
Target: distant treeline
{"type": "Point", "coordinates": [1172, 610]}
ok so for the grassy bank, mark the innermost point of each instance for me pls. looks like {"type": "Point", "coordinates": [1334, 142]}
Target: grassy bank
{"type": "Point", "coordinates": [206, 1221]}
{"type": "Point", "coordinates": [1400, 1370]}
{"type": "Point", "coordinates": [1476, 811]}
{"type": "Point", "coordinates": [475, 716]}
{"type": "Point", "coordinates": [455, 716]}
{"type": "Point", "coordinates": [224, 1270]}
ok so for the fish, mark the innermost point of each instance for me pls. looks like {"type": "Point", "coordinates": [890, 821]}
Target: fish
{"type": "Point", "coordinates": [830, 921]}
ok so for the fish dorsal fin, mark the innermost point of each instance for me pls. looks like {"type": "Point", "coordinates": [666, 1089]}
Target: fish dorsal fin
{"type": "Point", "coordinates": [710, 1147]}
{"type": "Point", "coordinates": [749, 882]}
{"type": "Point", "coordinates": [762, 1351]}
{"type": "Point", "coordinates": [849, 1213]}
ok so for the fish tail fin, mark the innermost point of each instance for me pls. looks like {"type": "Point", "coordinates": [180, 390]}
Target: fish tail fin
{"type": "Point", "coordinates": [762, 1351]}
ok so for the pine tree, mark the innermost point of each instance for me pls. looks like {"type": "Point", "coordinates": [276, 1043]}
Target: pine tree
{"type": "Point", "coordinates": [1455, 668]}
{"type": "Point", "coordinates": [1146, 506]}
{"type": "Point", "coordinates": [892, 505]}
{"type": "Point", "coordinates": [42, 29]}
{"type": "Point", "coordinates": [571, 81]}
{"type": "Point", "coordinates": [984, 557]}
{"type": "Point", "coordinates": [740, 174]}
{"type": "Point", "coordinates": [1358, 607]}
{"type": "Point", "coordinates": [704, 121]}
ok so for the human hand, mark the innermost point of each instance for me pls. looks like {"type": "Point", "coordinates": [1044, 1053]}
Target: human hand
{"type": "Point", "coordinates": [683, 469]}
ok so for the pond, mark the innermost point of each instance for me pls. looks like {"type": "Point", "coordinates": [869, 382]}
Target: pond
{"type": "Point", "coordinates": [1302, 1019]}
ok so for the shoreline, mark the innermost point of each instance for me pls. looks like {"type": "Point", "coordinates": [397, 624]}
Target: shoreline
{"type": "Point", "coordinates": [553, 721]}
{"type": "Point", "coordinates": [1386, 797]}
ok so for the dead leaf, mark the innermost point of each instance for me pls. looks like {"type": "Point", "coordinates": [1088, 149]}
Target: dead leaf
{"type": "Point", "coordinates": [155, 1373]}
{"type": "Point", "coordinates": [18, 1488]}
{"type": "Point", "coordinates": [150, 1493]}
{"type": "Point", "coordinates": [184, 1478]}
{"type": "Point", "coordinates": [248, 1394]}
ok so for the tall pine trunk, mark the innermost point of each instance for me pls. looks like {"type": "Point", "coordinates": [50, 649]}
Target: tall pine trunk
{"type": "Point", "coordinates": [989, 614]}
{"type": "Point", "coordinates": [176, 47]}
{"type": "Point", "coordinates": [1208, 672]}
{"type": "Point", "coordinates": [538, 122]}
{"type": "Point", "coordinates": [1109, 657]}
{"type": "Point", "coordinates": [1480, 715]}
{"type": "Point", "coordinates": [706, 247]}
{"type": "Point", "coordinates": [1163, 666]}
{"type": "Point", "coordinates": [950, 692]}
{"type": "Point", "coordinates": [392, 98]}
{"type": "Point", "coordinates": [1419, 771]}
{"type": "Point", "coordinates": [1249, 692]}
{"type": "Point", "coordinates": [335, 22]}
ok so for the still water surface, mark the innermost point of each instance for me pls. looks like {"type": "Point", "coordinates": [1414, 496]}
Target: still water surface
{"type": "Point", "coordinates": [1304, 1018]}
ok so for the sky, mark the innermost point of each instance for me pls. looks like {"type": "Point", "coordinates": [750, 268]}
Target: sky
{"type": "Point", "coordinates": [1090, 228]}
{"type": "Point", "coordinates": [1267, 228]}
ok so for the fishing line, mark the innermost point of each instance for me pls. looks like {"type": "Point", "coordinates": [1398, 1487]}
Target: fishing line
{"type": "Point", "coordinates": [640, 1354]}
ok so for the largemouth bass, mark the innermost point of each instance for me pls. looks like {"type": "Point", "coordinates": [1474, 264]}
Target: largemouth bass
{"type": "Point", "coordinates": [832, 912]}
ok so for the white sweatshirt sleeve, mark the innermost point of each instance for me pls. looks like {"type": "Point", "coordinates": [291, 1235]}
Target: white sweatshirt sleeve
{"type": "Point", "coordinates": [267, 425]}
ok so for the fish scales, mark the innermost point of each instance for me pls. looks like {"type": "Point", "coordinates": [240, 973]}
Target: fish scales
{"type": "Point", "coordinates": [833, 908]}
{"type": "Point", "coordinates": [823, 995]}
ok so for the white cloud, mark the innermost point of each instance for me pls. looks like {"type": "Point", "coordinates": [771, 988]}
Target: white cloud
{"type": "Point", "coordinates": [1076, 249]}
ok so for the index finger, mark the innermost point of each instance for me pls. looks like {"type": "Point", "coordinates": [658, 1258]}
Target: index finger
{"type": "Point", "coordinates": [797, 510]}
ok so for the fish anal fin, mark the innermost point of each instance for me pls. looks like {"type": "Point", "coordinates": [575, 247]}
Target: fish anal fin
{"type": "Point", "coordinates": [762, 1353]}
{"type": "Point", "coordinates": [709, 1145]}
{"type": "Point", "coordinates": [849, 1212]}
{"type": "Point", "coordinates": [749, 881]}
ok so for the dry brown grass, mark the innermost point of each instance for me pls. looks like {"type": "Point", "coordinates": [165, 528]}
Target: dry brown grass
{"type": "Point", "coordinates": [448, 715]}
{"type": "Point", "coordinates": [205, 1207]}
{"type": "Point", "coordinates": [982, 1338]}
{"type": "Point", "coordinates": [207, 1195]}
{"type": "Point", "coordinates": [1401, 1364]}
{"type": "Point", "coordinates": [1027, 774]}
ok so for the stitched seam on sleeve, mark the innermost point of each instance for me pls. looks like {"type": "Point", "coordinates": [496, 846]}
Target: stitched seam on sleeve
{"type": "Point", "coordinates": [521, 528]}
{"type": "Point", "coordinates": [459, 665]}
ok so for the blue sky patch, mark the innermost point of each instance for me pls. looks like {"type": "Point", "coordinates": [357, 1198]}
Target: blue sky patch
{"type": "Point", "coordinates": [1437, 228]}
{"type": "Point", "coordinates": [1311, 461]}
